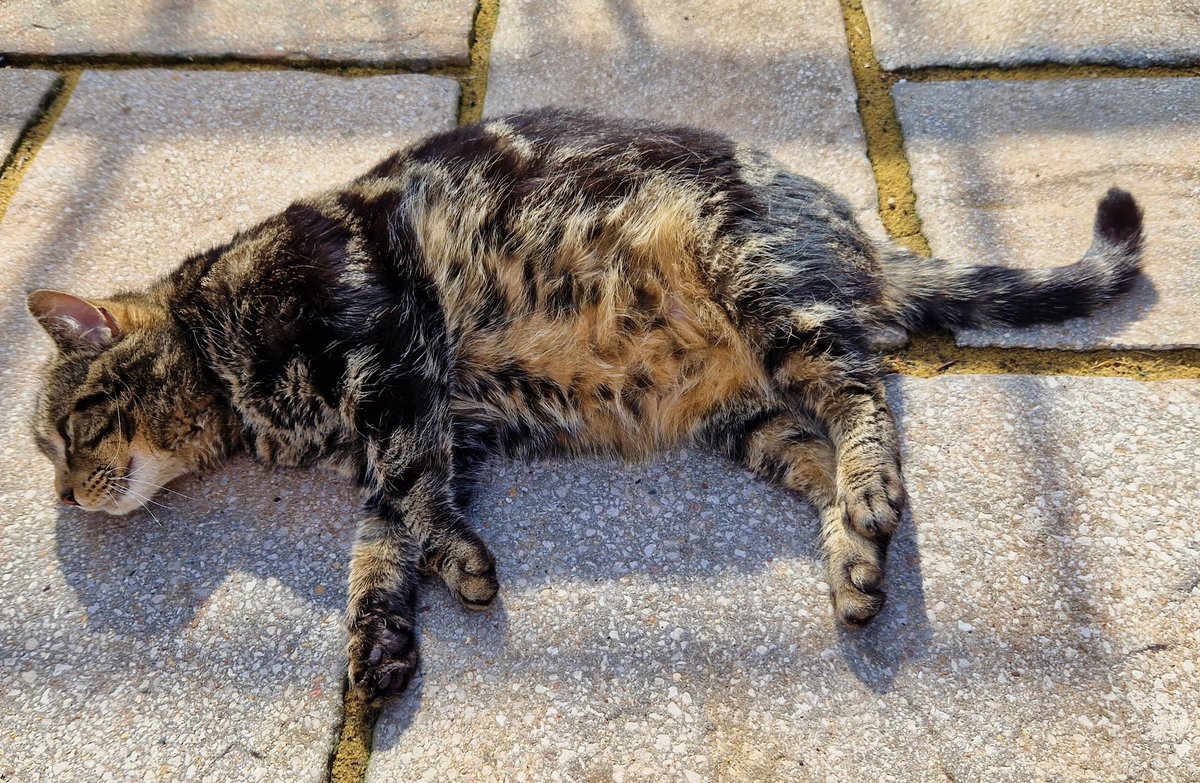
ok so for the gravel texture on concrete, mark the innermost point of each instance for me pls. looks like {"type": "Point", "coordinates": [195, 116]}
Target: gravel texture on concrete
{"type": "Point", "coordinates": [1010, 173]}
{"type": "Point", "coordinates": [778, 77]}
{"type": "Point", "coordinates": [21, 92]}
{"type": "Point", "coordinates": [418, 32]}
{"type": "Point", "coordinates": [202, 641]}
{"type": "Point", "coordinates": [916, 33]}
{"type": "Point", "coordinates": [669, 622]}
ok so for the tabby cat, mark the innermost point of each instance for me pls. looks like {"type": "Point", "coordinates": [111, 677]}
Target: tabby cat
{"type": "Point", "coordinates": [551, 282]}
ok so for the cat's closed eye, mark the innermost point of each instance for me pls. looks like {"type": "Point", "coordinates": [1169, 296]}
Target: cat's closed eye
{"type": "Point", "coordinates": [64, 432]}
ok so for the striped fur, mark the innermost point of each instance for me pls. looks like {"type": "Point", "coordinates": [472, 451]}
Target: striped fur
{"type": "Point", "coordinates": [546, 283]}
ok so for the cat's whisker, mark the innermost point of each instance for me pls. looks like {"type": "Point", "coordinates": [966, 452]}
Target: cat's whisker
{"type": "Point", "coordinates": [137, 470]}
{"type": "Point", "coordinates": [151, 513]}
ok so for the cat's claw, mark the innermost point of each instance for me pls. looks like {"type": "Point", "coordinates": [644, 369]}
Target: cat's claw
{"type": "Point", "coordinates": [383, 658]}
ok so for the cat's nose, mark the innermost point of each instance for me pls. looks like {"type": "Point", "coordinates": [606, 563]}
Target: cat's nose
{"type": "Point", "coordinates": [68, 497]}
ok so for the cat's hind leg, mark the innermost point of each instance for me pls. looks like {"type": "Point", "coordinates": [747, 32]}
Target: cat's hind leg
{"type": "Point", "coordinates": [791, 449]}
{"type": "Point", "coordinates": [819, 361]}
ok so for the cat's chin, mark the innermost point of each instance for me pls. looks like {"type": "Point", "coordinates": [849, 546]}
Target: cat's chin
{"type": "Point", "coordinates": [116, 509]}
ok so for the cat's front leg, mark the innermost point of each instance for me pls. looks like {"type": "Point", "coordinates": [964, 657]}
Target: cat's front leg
{"type": "Point", "coordinates": [413, 519]}
{"type": "Point", "coordinates": [381, 608]}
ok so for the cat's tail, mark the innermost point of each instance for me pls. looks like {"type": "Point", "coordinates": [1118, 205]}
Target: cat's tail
{"type": "Point", "coordinates": [923, 292]}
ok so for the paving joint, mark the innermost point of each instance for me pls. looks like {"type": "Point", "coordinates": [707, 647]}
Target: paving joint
{"type": "Point", "coordinates": [474, 83]}
{"type": "Point", "coordinates": [33, 135]}
{"type": "Point", "coordinates": [885, 140]}
{"type": "Point", "coordinates": [936, 354]}
{"type": "Point", "coordinates": [233, 62]}
{"type": "Point", "coordinates": [1041, 72]}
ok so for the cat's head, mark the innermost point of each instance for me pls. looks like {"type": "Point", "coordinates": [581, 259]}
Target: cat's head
{"type": "Point", "coordinates": [124, 407]}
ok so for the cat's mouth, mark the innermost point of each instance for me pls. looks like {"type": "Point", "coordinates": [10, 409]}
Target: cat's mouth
{"type": "Point", "coordinates": [128, 489]}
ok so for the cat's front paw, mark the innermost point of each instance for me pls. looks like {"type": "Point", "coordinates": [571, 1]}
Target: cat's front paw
{"type": "Point", "coordinates": [383, 656]}
{"type": "Point", "coordinates": [469, 570]}
{"type": "Point", "coordinates": [871, 506]}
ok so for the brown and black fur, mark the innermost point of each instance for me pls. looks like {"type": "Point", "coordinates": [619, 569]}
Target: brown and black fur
{"type": "Point", "coordinates": [546, 283]}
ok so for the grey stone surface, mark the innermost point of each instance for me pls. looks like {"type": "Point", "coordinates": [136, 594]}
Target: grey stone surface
{"type": "Point", "coordinates": [200, 640]}
{"type": "Point", "coordinates": [915, 33]}
{"type": "Point", "coordinates": [1010, 173]}
{"type": "Point", "coordinates": [668, 621]}
{"type": "Point", "coordinates": [418, 32]}
{"type": "Point", "coordinates": [775, 74]}
{"type": "Point", "coordinates": [21, 92]}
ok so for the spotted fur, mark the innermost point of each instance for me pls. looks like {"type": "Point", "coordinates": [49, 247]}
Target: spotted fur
{"type": "Point", "coordinates": [546, 283]}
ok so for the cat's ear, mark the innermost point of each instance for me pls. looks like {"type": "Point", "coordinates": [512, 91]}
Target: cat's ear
{"type": "Point", "coordinates": [74, 323]}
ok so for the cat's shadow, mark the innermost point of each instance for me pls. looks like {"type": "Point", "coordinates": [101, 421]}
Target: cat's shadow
{"type": "Point", "coordinates": [687, 516]}
{"type": "Point", "coordinates": [148, 575]}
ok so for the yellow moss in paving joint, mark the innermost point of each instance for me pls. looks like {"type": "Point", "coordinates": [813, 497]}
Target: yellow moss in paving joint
{"type": "Point", "coordinates": [34, 135]}
{"type": "Point", "coordinates": [1042, 71]}
{"type": "Point", "coordinates": [474, 84]}
{"type": "Point", "coordinates": [348, 763]}
{"type": "Point", "coordinates": [936, 354]}
{"type": "Point", "coordinates": [885, 143]}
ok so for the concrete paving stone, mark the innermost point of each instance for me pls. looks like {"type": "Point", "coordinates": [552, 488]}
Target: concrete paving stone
{"type": "Point", "coordinates": [773, 73]}
{"type": "Point", "coordinates": [21, 92]}
{"type": "Point", "coordinates": [917, 33]}
{"type": "Point", "coordinates": [418, 32]}
{"type": "Point", "coordinates": [203, 641]}
{"type": "Point", "coordinates": [1010, 173]}
{"type": "Point", "coordinates": [669, 622]}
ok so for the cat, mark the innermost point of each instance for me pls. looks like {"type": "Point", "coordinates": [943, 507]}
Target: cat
{"type": "Point", "coordinates": [546, 283]}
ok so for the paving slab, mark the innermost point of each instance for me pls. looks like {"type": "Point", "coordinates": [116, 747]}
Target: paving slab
{"type": "Point", "coordinates": [917, 33]}
{"type": "Point", "coordinates": [21, 93]}
{"type": "Point", "coordinates": [1010, 173]}
{"type": "Point", "coordinates": [375, 32]}
{"type": "Point", "coordinates": [773, 73]}
{"type": "Point", "coordinates": [669, 622]}
{"type": "Point", "coordinates": [202, 641]}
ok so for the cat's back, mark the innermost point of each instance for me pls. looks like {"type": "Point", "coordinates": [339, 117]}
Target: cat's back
{"type": "Point", "coordinates": [551, 212]}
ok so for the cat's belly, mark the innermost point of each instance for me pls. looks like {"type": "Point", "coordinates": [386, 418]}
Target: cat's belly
{"type": "Point", "coordinates": [621, 380]}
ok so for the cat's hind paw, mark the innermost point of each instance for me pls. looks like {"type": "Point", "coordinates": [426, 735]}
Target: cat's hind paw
{"type": "Point", "coordinates": [858, 595]}
{"type": "Point", "coordinates": [856, 574]}
{"type": "Point", "coordinates": [873, 509]}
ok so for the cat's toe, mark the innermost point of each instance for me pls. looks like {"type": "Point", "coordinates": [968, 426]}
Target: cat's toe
{"type": "Point", "coordinates": [874, 510]}
{"type": "Point", "coordinates": [383, 658]}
